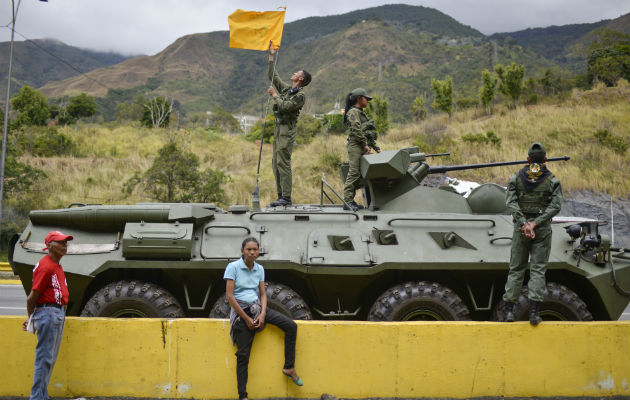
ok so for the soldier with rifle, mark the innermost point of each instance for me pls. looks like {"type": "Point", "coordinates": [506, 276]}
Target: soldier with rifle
{"type": "Point", "coordinates": [533, 197]}
{"type": "Point", "coordinates": [361, 138]}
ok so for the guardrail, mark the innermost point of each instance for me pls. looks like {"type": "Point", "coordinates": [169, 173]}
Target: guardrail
{"type": "Point", "coordinates": [194, 358]}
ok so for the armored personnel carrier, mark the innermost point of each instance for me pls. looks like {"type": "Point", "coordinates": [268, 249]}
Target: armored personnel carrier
{"type": "Point", "coordinates": [414, 253]}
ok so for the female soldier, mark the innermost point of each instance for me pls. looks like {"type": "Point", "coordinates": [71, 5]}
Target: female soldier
{"type": "Point", "coordinates": [245, 291]}
{"type": "Point", "coordinates": [362, 136]}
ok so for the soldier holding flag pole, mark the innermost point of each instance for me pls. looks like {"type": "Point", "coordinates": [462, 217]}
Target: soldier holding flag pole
{"type": "Point", "coordinates": [263, 31]}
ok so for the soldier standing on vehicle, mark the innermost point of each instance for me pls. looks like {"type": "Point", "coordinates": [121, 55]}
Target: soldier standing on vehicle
{"type": "Point", "coordinates": [288, 100]}
{"type": "Point", "coordinates": [46, 308]}
{"type": "Point", "coordinates": [534, 196]}
{"type": "Point", "coordinates": [361, 138]}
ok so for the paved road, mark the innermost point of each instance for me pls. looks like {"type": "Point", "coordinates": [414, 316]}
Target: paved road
{"type": "Point", "coordinates": [13, 300]}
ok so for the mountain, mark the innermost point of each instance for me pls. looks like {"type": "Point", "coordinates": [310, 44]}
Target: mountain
{"type": "Point", "coordinates": [392, 51]}
{"type": "Point", "coordinates": [564, 44]}
{"type": "Point", "coordinates": [34, 64]}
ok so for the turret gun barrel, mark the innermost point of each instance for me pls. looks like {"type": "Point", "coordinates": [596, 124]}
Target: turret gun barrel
{"type": "Point", "coordinates": [441, 169]}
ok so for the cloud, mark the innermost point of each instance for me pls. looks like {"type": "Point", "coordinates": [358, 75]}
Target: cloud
{"type": "Point", "coordinates": [148, 26]}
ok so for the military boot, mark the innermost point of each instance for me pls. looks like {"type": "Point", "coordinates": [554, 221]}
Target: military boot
{"type": "Point", "coordinates": [351, 206]}
{"type": "Point", "coordinates": [283, 201]}
{"type": "Point", "coordinates": [534, 310]}
{"type": "Point", "coordinates": [276, 202]}
{"type": "Point", "coordinates": [508, 311]}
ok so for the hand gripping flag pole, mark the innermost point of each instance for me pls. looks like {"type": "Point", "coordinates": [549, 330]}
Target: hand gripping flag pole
{"type": "Point", "coordinates": [255, 31]}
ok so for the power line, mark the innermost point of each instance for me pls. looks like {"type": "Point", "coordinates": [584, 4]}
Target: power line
{"type": "Point", "coordinates": [84, 74]}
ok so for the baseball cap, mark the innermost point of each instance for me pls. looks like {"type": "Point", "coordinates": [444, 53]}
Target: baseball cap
{"type": "Point", "coordinates": [55, 236]}
{"type": "Point", "coordinates": [360, 92]}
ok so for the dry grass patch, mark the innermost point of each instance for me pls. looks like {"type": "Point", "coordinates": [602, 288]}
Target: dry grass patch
{"type": "Point", "coordinates": [113, 154]}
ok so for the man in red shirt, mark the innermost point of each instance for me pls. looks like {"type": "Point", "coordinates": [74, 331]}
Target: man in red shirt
{"type": "Point", "coordinates": [46, 306]}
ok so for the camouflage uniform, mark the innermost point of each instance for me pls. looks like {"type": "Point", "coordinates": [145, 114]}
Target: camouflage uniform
{"type": "Point", "coordinates": [531, 202]}
{"type": "Point", "coordinates": [361, 134]}
{"type": "Point", "coordinates": [286, 109]}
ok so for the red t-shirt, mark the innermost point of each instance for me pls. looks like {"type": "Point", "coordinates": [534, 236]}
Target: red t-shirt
{"type": "Point", "coordinates": [50, 281]}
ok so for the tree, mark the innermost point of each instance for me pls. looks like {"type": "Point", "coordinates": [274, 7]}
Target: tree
{"type": "Point", "coordinates": [488, 90]}
{"type": "Point", "coordinates": [157, 113]}
{"type": "Point", "coordinates": [19, 196]}
{"type": "Point", "coordinates": [307, 128]}
{"type": "Point", "coordinates": [333, 123]}
{"type": "Point", "coordinates": [418, 108]}
{"type": "Point", "coordinates": [223, 120]}
{"type": "Point", "coordinates": [608, 57]}
{"type": "Point", "coordinates": [32, 107]}
{"type": "Point", "coordinates": [511, 80]}
{"type": "Point", "coordinates": [175, 177]}
{"type": "Point", "coordinates": [443, 95]}
{"type": "Point", "coordinates": [130, 111]}
{"type": "Point", "coordinates": [378, 110]}
{"type": "Point", "coordinates": [82, 106]}
{"type": "Point", "coordinates": [256, 132]}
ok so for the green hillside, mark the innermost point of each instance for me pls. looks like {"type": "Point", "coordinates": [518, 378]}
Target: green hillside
{"type": "Point", "coordinates": [564, 44]}
{"type": "Point", "coordinates": [33, 64]}
{"type": "Point", "coordinates": [393, 51]}
{"type": "Point", "coordinates": [414, 18]}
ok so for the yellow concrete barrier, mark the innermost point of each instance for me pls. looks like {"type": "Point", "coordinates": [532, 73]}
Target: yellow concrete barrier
{"type": "Point", "coordinates": [188, 358]}
{"type": "Point", "coordinates": [5, 267]}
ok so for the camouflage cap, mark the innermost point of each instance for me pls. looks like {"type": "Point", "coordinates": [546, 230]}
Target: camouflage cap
{"type": "Point", "coordinates": [537, 152]}
{"type": "Point", "coordinates": [360, 92]}
{"type": "Point", "coordinates": [536, 148]}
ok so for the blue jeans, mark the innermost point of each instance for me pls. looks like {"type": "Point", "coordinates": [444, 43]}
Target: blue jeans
{"type": "Point", "coordinates": [48, 322]}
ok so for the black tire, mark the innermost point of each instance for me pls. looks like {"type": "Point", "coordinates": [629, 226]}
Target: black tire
{"type": "Point", "coordinates": [280, 298]}
{"type": "Point", "coordinates": [559, 304]}
{"type": "Point", "coordinates": [419, 301]}
{"type": "Point", "coordinates": [133, 299]}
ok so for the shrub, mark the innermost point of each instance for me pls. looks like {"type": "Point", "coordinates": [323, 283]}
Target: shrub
{"type": "Point", "coordinates": [256, 132]}
{"type": "Point", "coordinates": [616, 143]}
{"type": "Point", "coordinates": [46, 142]}
{"type": "Point", "coordinates": [434, 142]}
{"type": "Point", "coordinates": [479, 138]}
{"type": "Point", "coordinates": [307, 128]}
{"type": "Point", "coordinates": [174, 177]}
{"type": "Point", "coordinates": [330, 161]}
{"type": "Point", "coordinates": [466, 102]}
{"type": "Point", "coordinates": [334, 123]}
{"type": "Point", "coordinates": [223, 121]}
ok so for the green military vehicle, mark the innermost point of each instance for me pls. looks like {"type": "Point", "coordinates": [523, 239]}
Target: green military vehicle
{"type": "Point", "coordinates": [415, 253]}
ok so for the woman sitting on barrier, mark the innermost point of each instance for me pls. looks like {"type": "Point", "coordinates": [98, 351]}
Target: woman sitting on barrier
{"type": "Point", "coordinates": [245, 291]}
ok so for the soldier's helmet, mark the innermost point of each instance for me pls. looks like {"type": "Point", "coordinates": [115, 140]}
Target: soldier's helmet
{"type": "Point", "coordinates": [360, 92]}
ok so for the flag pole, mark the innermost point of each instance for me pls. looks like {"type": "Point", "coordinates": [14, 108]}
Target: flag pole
{"type": "Point", "coordinates": [256, 192]}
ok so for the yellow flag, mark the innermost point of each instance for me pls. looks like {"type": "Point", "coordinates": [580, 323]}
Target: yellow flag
{"type": "Point", "coordinates": [253, 30]}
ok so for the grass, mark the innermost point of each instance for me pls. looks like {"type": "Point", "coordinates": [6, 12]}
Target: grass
{"type": "Point", "coordinates": [113, 154]}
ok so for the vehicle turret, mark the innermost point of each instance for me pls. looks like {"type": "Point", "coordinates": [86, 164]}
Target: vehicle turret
{"type": "Point", "coordinates": [389, 177]}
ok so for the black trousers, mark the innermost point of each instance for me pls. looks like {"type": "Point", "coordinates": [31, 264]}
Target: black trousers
{"type": "Point", "coordinates": [244, 339]}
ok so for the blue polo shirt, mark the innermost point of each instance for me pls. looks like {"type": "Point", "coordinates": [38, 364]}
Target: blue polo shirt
{"type": "Point", "coordinates": [246, 282]}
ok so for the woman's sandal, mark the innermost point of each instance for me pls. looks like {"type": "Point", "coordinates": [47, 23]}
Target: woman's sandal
{"type": "Point", "coordinates": [297, 381]}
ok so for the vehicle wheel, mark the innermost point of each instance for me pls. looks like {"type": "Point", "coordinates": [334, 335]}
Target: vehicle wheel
{"type": "Point", "coordinates": [133, 299]}
{"type": "Point", "coordinates": [559, 304]}
{"type": "Point", "coordinates": [280, 298]}
{"type": "Point", "coordinates": [419, 301]}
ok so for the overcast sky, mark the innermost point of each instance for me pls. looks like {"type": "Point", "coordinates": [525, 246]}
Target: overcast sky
{"type": "Point", "coordinates": [148, 26]}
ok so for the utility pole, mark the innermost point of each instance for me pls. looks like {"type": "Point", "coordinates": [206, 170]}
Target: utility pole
{"type": "Point", "coordinates": [5, 126]}
{"type": "Point", "coordinates": [14, 12]}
